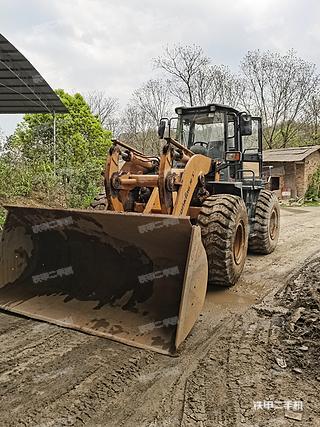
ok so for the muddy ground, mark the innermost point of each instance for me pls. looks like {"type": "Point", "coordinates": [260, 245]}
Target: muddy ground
{"type": "Point", "coordinates": [254, 344]}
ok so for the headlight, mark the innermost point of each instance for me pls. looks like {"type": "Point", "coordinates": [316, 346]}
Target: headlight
{"type": "Point", "coordinates": [233, 156]}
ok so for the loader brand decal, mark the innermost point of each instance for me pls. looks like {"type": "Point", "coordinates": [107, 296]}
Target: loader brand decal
{"type": "Point", "coordinates": [38, 228]}
{"type": "Point", "coordinates": [158, 324]}
{"type": "Point", "coordinates": [157, 224]}
{"type": "Point", "coordinates": [160, 274]}
{"type": "Point", "coordinates": [66, 271]}
{"type": "Point", "coordinates": [186, 193]}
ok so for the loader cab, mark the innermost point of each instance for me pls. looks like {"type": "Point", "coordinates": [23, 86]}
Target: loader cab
{"type": "Point", "coordinates": [231, 137]}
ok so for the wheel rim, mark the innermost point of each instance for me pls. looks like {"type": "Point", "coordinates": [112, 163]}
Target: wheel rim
{"type": "Point", "coordinates": [238, 243]}
{"type": "Point", "coordinates": [273, 224]}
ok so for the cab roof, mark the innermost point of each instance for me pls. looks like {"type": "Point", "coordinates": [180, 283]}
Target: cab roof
{"type": "Point", "coordinates": [205, 109]}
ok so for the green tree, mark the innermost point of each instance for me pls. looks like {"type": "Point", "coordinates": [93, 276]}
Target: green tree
{"type": "Point", "coordinates": [313, 193]}
{"type": "Point", "coordinates": [72, 169]}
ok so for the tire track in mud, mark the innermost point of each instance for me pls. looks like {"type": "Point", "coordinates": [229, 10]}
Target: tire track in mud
{"type": "Point", "coordinates": [42, 367]}
{"type": "Point", "coordinates": [53, 345]}
{"type": "Point", "coordinates": [24, 334]}
{"type": "Point", "coordinates": [158, 391]}
{"type": "Point", "coordinates": [10, 323]}
{"type": "Point", "coordinates": [73, 387]}
{"type": "Point", "coordinates": [52, 375]}
{"type": "Point", "coordinates": [200, 407]}
{"type": "Point", "coordinates": [189, 390]}
{"type": "Point", "coordinates": [88, 398]}
{"type": "Point", "coordinates": [167, 393]}
{"type": "Point", "coordinates": [222, 389]}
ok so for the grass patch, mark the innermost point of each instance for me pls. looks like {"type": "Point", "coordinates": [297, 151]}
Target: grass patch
{"type": "Point", "coordinates": [312, 203]}
{"type": "Point", "coordinates": [3, 214]}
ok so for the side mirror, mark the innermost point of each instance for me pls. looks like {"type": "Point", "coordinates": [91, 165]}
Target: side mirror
{"type": "Point", "coordinates": [161, 129]}
{"type": "Point", "coordinates": [245, 124]}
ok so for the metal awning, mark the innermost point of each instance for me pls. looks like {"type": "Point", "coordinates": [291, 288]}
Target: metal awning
{"type": "Point", "coordinates": [22, 88]}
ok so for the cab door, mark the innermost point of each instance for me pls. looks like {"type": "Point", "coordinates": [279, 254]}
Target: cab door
{"type": "Point", "coordinates": [252, 150]}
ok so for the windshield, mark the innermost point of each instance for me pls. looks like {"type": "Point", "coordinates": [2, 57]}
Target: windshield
{"type": "Point", "coordinates": [201, 128]}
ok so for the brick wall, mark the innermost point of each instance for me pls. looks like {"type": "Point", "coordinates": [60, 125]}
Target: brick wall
{"type": "Point", "coordinates": [290, 183]}
{"type": "Point", "coordinates": [312, 163]}
{"type": "Point", "coordinates": [300, 179]}
{"type": "Point", "coordinates": [295, 176]}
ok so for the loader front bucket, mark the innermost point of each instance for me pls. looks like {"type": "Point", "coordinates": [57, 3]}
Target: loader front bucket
{"type": "Point", "coordinates": [137, 279]}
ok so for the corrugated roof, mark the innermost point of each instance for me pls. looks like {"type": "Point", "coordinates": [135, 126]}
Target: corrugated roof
{"type": "Point", "coordinates": [22, 88]}
{"type": "Point", "coordinates": [293, 154]}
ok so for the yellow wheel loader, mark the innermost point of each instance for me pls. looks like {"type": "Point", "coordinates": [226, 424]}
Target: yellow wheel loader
{"type": "Point", "coordinates": [135, 268]}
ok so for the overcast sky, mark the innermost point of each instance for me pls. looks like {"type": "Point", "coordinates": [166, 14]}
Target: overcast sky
{"type": "Point", "coordinates": [81, 45]}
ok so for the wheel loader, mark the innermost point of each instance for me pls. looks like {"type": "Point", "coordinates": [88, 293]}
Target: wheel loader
{"type": "Point", "coordinates": [135, 267]}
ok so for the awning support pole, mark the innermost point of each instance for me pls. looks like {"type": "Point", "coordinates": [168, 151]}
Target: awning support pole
{"type": "Point", "coordinates": [54, 143]}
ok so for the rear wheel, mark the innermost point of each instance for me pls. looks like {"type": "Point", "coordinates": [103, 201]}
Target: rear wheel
{"type": "Point", "coordinates": [266, 225]}
{"type": "Point", "coordinates": [100, 202]}
{"type": "Point", "coordinates": [224, 229]}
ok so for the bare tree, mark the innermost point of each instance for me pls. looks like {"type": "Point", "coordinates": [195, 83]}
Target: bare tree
{"type": "Point", "coordinates": [216, 84]}
{"type": "Point", "coordinates": [183, 64]}
{"type": "Point", "coordinates": [154, 99]}
{"type": "Point", "coordinates": [278, 87]}
{"type": "Point", "coordinates": [140, 120]}
{"type": "Point", "coordinates": [105, 107]}
{"type": "Point", "coordinates": [139, 130]}
{"type": "Point", "coordinates": [194, 81]}
{"type": "Point", "coordinates": [312, 112]}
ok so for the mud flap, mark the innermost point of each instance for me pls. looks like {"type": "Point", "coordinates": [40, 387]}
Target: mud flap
{"type": "Point", "coordinates": [137, 279]}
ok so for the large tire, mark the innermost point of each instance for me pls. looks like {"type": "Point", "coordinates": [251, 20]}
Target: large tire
{"type": "Point", "coordinates": [224, 229]}
{"type": "Point", "coordinates": [266, 225]}
{"type": "Point", "coordinates": [100, 202]}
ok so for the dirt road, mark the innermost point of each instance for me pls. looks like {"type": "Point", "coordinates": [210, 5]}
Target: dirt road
{"type": "Point", "coordinates": [50, 376]}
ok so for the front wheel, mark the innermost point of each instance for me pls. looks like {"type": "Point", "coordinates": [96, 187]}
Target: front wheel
{"type": "Point", "coordinates": [266, 225]}
{"type": "Point", "coordinates": [224, 229]}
